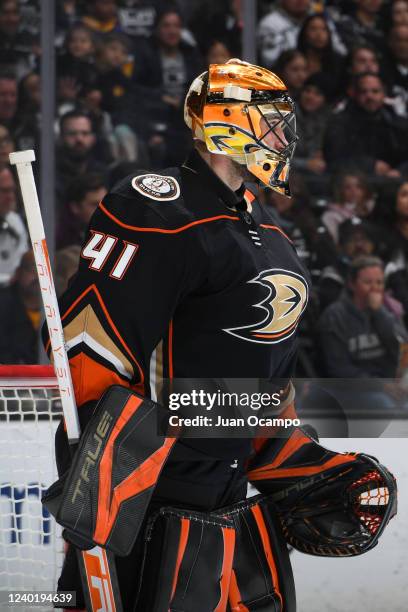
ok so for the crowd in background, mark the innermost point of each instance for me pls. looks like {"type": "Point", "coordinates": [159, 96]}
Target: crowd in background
{"type": "Point", "coordinates": [123, 68]}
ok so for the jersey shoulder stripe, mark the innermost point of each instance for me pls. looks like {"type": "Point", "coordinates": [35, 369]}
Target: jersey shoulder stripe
{"type": "Point", "coordinates": [161, 230]}
{"type": "Point", "coordinates": [134, 210]}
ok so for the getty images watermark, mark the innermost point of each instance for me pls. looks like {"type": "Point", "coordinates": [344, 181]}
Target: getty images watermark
{"type": "Point", "coordinates": [222, 400]}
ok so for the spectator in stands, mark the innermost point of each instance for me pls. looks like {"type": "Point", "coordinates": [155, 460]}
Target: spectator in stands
{"type": "Point", "coordinates": [278, 30]}
{"type": "Point", "coordinates": [358, 334]}
{"type": "Point", "coordinates": [291, 67]}
{"type": "Point", "coordinates": [137, 17]}
{"type": "Point", "coordinates": [13, 235]}
{"type": "Point", "coordinates": [220, 20]}
{"type": "Point", "coordinates": [20, 315]}
{"type": "Point", "coordinates": [8, 100]}
{"type": "Point", "coordinates": [77, 150]}
{"type": "Point", "coordinates": [396, 70]}
{"type": "Point", "coordinates": [111, 57]}
{"type": "Point", "coordinates": [6, 146]}
{"type": "Point", "coordinates": [101, 16]}
{"type": "Point", "coordinates": [314, 41]}
{"type": "Point", "coordinates": [66, 15]}
{"type": "Point", "coordinates": [399, 12]}
{"type": "Point", "coordinates": [397, 231]}
{"type": "Point", "coordinates": [120, 171]}
{"type": "Point", "coordinates": [355, 239]}
{"type": "Point", "coordinates": [80, 43]}
{"type": "Point", "coordinates": [27, 135]}
{"type": "Point", "coordinates": [17, 45]}
{"type": "Point", "coordinates": [66, 265]}
{"type": "Point", "coordinates": [367, 133]}
{"type": "Point", "coordinates": [361, 59]}
{"type": "Point", "coordinates": [164, 69]}
{"type": "Point", "coordinates": [75, 67]}
{"type": "Point", "coordinates": [217, 53]}
{"type": "Point", "coordinates": [352, 197]}
{"type": "Point", "coordinates": [113, 101]}
{"type": "Point", "coordinates": [363, 25]}
{"type": "Point", "coordinates": [82, 198]}
{"type": "Point", "coordinates": [312, 115]}
{"type": "Point", "coordinates": [90, 102]}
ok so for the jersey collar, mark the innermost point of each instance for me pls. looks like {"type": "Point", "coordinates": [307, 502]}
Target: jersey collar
{"type": "Point", "coordinates": [232, 199]}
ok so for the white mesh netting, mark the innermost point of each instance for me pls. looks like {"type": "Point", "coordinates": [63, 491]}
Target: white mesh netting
{"type": "Point", "coordinates": [31, 549]}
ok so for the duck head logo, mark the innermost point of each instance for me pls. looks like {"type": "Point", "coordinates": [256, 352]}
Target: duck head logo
{"type": "Point", "coordinates": [282, 307]}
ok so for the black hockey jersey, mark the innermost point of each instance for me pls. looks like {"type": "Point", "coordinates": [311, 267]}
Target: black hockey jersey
{"type": "Point", "coordinates": [177, 279]}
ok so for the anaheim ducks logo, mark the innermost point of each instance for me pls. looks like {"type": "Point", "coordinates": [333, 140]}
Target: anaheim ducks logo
{"type": "Point", "coordinates": [284, 304]}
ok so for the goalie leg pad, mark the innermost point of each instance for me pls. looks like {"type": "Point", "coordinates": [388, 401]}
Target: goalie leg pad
{"type": "Point", "coordinates": [103, 498]}
{"type": "Point", "coordinates": [262, 576]}
{"type": "Point", "coordinates": [187, 563]}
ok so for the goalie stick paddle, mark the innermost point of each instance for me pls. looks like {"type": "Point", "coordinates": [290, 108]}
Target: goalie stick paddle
{"type": "Point", "coordinates": [97, 566]}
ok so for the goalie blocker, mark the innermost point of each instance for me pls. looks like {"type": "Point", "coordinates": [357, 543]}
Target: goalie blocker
{"type": "Point", "coordinates": [103, 498]}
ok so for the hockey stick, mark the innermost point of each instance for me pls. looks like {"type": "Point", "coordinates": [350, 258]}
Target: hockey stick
{"type": "Point", "coordinates": [97, 566]}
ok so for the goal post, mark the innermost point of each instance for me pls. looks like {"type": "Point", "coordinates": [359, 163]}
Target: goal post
{"type": "Point", "coordinates": [31, 547]}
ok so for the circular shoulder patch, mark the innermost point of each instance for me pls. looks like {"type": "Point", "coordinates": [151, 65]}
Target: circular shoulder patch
{"type": "Point", "coordinates": [157, 187]}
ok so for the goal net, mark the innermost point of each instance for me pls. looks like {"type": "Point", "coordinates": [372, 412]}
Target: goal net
{"type": "Point", "coordinates": [31, 548]}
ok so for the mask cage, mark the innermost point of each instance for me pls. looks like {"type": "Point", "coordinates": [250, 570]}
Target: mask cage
{"type": "Point", "coordinates": [280, 123]}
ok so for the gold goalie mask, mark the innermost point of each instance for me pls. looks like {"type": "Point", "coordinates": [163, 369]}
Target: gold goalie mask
{"type": "Point", "coordinates": [244, 111]}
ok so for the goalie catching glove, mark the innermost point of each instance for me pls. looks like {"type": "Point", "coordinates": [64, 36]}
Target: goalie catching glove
{"type": "Point", "coordinates": [330, 504]}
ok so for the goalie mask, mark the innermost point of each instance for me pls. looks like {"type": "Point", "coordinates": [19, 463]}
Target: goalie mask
{"type": "Point", "coordinates": [244, 112]}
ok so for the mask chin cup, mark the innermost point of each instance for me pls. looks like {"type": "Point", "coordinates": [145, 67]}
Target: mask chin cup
{"type": "Point", "coordinates": [273, 174]}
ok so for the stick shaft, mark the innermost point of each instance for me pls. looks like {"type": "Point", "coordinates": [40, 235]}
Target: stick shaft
{"type": "Point", "coordinates": [99, 581]}
{"type": "Point", "coordinates": [22, 160]}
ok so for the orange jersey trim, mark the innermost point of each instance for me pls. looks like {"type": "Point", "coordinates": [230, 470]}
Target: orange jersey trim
{"type": "Point", "coordinates": [249, 196]}
{"type": "Point", "coordinates": [158, 230]}
{"type": "Point", "coordinates": [280, 334]}
{"type": "Point", "coordinates": [276, 229]}
{"type": "Point", "coordinates": [111, 323]}
{"type": "Point", "coordinates": [98, 378]}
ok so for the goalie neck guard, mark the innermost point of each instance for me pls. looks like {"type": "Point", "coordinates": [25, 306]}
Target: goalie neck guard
{"type": "Point", "coordinates": [244, 112]}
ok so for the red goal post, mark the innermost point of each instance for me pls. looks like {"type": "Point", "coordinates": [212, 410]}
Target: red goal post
{"type": "Point", "coordinates": [31, 548]}
{"type": "Point", "coordinates": [42, 374]}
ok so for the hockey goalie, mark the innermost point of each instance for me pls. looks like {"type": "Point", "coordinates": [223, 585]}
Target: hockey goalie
{"type": "Point", "coordinates": [185, 275]}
